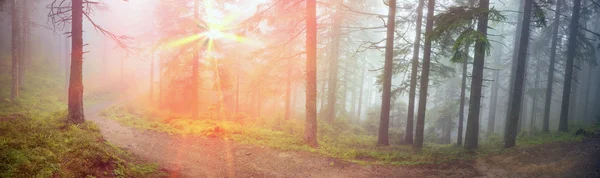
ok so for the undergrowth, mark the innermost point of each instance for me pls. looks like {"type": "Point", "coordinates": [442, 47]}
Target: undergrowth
{"type": "Point", "coordinates": [35, 142]}
{"type": "Point", "coordinates": [344, 141]}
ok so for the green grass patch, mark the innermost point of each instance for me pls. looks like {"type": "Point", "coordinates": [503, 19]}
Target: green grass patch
{"type": "Point", "coordinates": [35, 141]}
{"type": "Point", "coordinates": [343, 141]}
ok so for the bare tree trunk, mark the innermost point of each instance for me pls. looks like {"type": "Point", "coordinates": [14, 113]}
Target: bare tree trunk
{"type": "Point", "coordinates": [310, 128]}
{"type": "Point", "coordinates": [550, 81]}
{"type": "Point", "coordinates": [23, 51]}
{"type": "Point", "coordinates": [572, 45]}
{"type": "Point", "coordinates": [16, 39]}
{"type": "Point", "coordinates": [237, 88]}
{"type": "Point", "coordinates": [195, 77]}
{"type": "Point", "coordinates": [494, 94]}
{"type": "Point", "coordinates": [418, 142]}
{"type": "Point", "coordinates": [461, 111]}
{"type": "Point", "coordinates": [151, 95]}
{"type": "Point", "coordinates": [333, 66]}
{"type": "Point", "coordinates": [76, 77]}
{"type": "Point", "coordinates": [288, 91]}
{"type": "Point", "coordinates": [535, 96]}
{"type": "Point", "coordinates": [472, 134]}
{"type": "Point", "coordinates": [360, 97]}
{"type": "Point", "coordinates": [383, 137]}
{"type": "Point", "coordinates": [515, 100]}
{"type": "Point", "coordinates": [413, 76]}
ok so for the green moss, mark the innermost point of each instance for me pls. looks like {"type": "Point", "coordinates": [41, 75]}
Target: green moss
{"type": "Point", "coordinates": [35, 142]}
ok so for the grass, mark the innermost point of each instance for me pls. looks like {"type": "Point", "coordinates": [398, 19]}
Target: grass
{"type": "Point", "coordinates": [344, 141]}
{"type": "Point", "coordinates": [35, 142]}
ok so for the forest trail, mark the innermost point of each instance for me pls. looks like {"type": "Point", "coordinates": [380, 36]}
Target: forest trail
{"type": "Point", "coordinates": [188, 156]}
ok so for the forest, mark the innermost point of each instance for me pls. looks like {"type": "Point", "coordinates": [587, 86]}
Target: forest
{"type": "Point", "coordinates": [299, 88]}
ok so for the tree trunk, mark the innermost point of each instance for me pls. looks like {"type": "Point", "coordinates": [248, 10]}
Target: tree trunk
{"type": "Point", "coordinates": [360, 97]}
{"type": "Point", "coordinates": [310, 127]}
{"type": "Point", "coordinates": [288, 90]}
{"type": "Point", "coordinates": [76, 77]}
{"type": "Point", "coordinates": [23, 53]}
{"type": "Point", "coordinates": [535, 96]}
{"type": "Point", "coordinates": [16, 29]}
{"type": "Point", "coordinates": [333, 66]}
{"type": "Point", "coordinates": [587, 94]}
{"type": "Point", "coordinates": [461, 111]}
{"type": "Point", "coordinates": [515, 100]}
{"type": "Point", "coordinates": [550, 81]}
{"type": "Point", "coordinates": [384, 120]}
{"type": "Point", "coordinates": [195, 77]}
{"type": "Point", "coordinates": [472, 134]}
{"type": "Point", "coordinates": [151, 96]}
{"type": "Point", "coordinates": [413, 76]}
{"type": "Point", "coordinates": [572, 45]}
{"type": "Point", "coordinates": [424, 84]}
{"type": "Point", "coordinates": [67, 56]}
{"type": "Point", "coordinates": [237, 88]}
{"type": "Point", "coordinates": [494, 94]}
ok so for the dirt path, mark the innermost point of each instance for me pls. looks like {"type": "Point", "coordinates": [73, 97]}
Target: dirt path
{"type": "Point", "coordinates": [186, 156]}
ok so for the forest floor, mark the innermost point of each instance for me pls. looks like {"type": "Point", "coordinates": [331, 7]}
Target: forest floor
{"type": "Point", "coordinates": [194, 156]}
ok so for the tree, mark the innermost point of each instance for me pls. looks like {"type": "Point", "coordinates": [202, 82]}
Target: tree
{"type": "Point", "coordinates": [75, 101]}
{"type": "Point", "coordinates": [59, 14]}
{"type": "Point", "coordinates": [494, 93]}
{"type": "Point", "coordinates": [571, 51]}
{"type": "Point", "coordinates": [195, 70]}
{"type": "Point", "coordinates": [310, 127]}
{"type": "Point", "coordinates": [472, 134]}
{"type": "Point", "coordinates": [424, 76]}
{"type": "Point", "coordinates": [333, 65]}
{"type": "Point", "coordinates": [461, 111]}
{"type": "Point", "coordinates": [413, 76]}
{"type": "Point", "coordinates": [16, 31]}
{"type": "Point", "coordinates": [384, 120]}
{"type": "Point", "coordinates": [514, 109]}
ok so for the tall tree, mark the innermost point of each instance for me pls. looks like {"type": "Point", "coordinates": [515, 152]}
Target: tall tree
{"type": "Point", "coordinates": [76, 76]}
{"type": "Point", "coordinates": [413, 76]}
{"type": "Point", "coordinates": [384, 120]}
{"type": "Point", "coordinates": [424, 84]}
{"type": "Point", "coordinates": [514, 109]}
{"type": "Point", "coordinates": [461, 111]}
{"type": "Point", "coordinates": [494, 93]}
{"type": "Point", "coordinates": [333, 64]}
{"type": "Point", "coordinates": [472, 134]}
{"type": "Point", "coordinates": [195, 71]}
{"type": "Point", "coordinates": [16, 30]}
{"type": "Point", "coordinates": [548, 102]}
{"type": "Point", "coordinates": [310, 127]}
{"type": "Point", "coordinates": [571, 50]}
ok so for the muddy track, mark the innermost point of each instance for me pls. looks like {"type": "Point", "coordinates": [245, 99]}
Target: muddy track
{"type": "Point", "coordinates": [188, 156]}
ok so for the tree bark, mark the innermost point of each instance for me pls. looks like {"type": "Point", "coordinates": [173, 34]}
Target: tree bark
{"type": "Point", "coordinates": [151, 95]}
{"type": "Point", "coordinates": [472, 134]}
{"type": "Point", "coordinates": [360, 97]}
{"type": "Point", "coordinates": [572, 45]}
{"type": "Point", "coordinates": [461, 111]}
{"type": "Point", "coordinates": [535, 96]}
{"type": "Point", "coordinates": [413, 76]}
{"type": "Point", "coordinates": [288, 90]}
{"type": "Point", "coordinates": [384, 120]}
{"type": "Point", "coordinates": [195, 77]}
{"type": "Point", "coordinates": [76, 76]}
{"type": "Point", "coordinates": [516, 95]}
{"type": "Point", "coordinates": [16, 29]}
{"type": "Point", "coordinates": [548, 102]}
{"type": "Point", "coordinates": [333, 66]}
{"type": "Point", "coordinates": [310, 127]}
{"type": "Point", "coordinates": [494, 94]}
{"type": "Point", "coordinates": [424, 84]}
